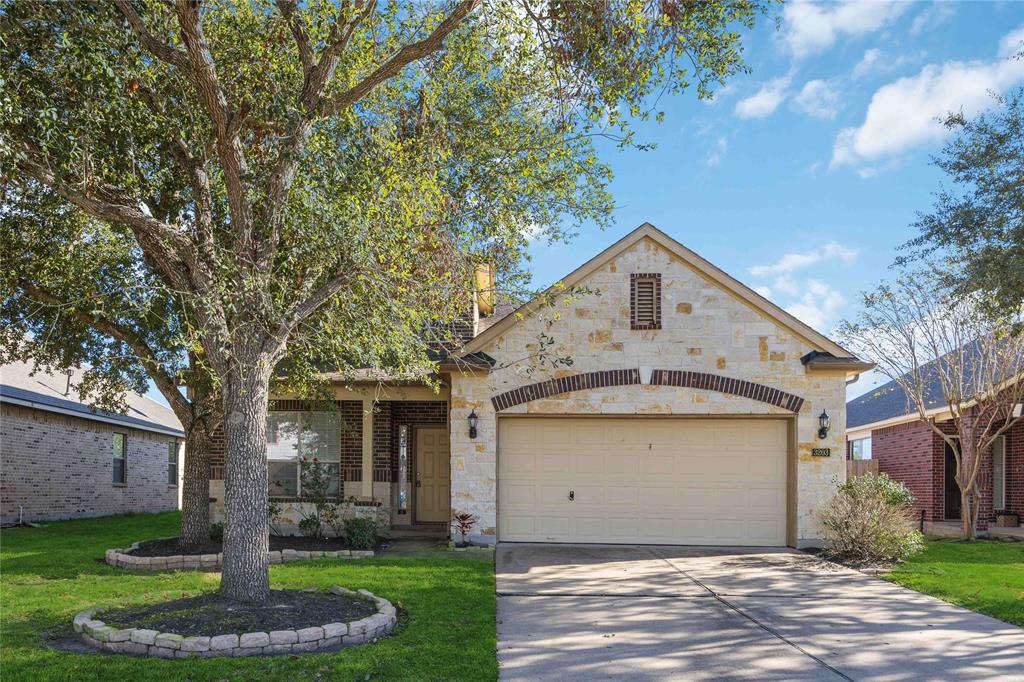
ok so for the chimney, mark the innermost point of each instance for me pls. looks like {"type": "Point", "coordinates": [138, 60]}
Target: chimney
{"type": "Point", "coordinates": [483, 286]}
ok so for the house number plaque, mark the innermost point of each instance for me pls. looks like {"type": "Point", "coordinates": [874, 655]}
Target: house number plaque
{"type": "Point", "coordinates": [821, 452]}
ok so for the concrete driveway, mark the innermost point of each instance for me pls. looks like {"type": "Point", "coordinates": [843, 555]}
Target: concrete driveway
{"type": "Point", "coordinates": [586, 612]}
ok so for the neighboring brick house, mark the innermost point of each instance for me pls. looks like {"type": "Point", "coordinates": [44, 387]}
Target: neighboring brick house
{"type": "Point", "coordinates": [883, 425]}
{"type": "Point", "coordinates": [61, 459]}
{"type": "Point", "coordinates": [689, 415]}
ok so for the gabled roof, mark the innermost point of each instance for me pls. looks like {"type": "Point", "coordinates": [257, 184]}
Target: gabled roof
{"type": "Point", "coordinates": [20, 385]}
{"type": "Point", "coordinates": [704, 268]}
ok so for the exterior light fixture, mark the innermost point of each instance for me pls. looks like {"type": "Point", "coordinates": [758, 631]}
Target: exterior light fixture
{"type": "Point", "coordinates": [824, 422]}
{"type": "Point", "coordinates": [473, 419]}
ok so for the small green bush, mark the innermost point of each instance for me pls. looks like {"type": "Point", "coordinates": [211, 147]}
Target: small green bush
{"type": "Point", "coordinates": [361, 533]}
{"type": "Point", "coordinates": [310, 526]}
{"type": "Point", "coordinates": [217, 531]}
{"type": "Point", "coordinates": [870, 519]}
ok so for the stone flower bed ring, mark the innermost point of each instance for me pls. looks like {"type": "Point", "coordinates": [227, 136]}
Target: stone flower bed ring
{"type": "Point", "coordinates": [125, 558]}
{"type": "Point", "coordinates": [330, 636]}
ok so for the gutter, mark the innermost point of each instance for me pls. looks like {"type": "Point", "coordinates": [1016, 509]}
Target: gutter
{"type": "Point", "coordinates": [145, 426]}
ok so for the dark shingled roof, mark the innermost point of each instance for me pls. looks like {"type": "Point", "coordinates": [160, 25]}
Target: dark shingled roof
{"type": "Point", "coordinates": [21, 385]}
{"type": "Point", "coordinates": [889, 400]}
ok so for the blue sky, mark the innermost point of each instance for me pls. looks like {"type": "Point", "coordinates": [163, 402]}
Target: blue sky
{"type": "Point", "coordinates": [802, 178]}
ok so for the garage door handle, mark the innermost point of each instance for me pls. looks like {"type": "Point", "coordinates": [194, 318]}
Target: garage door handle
{"type": "Point", "coordinates": [572, 495]}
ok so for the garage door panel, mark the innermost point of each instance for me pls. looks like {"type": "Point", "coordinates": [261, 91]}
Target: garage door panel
{"type": "Point", "coordinates": [635, 480]}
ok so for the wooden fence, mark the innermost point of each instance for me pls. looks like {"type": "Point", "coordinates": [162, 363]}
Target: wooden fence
{"type": "Point", "coordinates": [856, 467]}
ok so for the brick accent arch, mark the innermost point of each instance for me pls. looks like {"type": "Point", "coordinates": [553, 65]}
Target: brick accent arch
{"type": "Point", "coordinates": [577, 382]}
{"type": "Point", "coordinates": [740, 387]}
{"type": "Point", "coordinates": [659, 377]}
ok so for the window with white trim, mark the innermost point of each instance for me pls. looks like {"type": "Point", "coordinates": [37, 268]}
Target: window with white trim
{"type": "Point", "coordinates": [120, 459]}
{"type": "Point", "coordinates": [172, 463]}
{"type": "Point", "coordinates": [293, 436]}
{"type": "Point", "coordinates": [861, 448]}
{"type": "Point", "coordinates": [999, 474]}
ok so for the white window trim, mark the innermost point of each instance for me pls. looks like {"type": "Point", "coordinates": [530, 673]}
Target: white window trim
{"type": "Point", "coordinates": [1001, 506]}
{"type": "Point", "coordinates": [301, 418]}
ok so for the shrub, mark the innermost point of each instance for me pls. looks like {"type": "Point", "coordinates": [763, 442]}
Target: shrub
{"type": "Point", "coordinates": [274, 516]}
{"type": "Point", "coordinates": [217, 531]}
{"type": "Point", "coordinates": [361, 533]}
{"type": "Point", "coordinates": [310, 526]}
{"type": "Point", "coordinates": [463, 522]}
{"type": "Point", "coordinates": [870, 519]}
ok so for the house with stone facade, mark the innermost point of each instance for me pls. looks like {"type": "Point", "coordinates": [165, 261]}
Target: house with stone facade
{"type": "Point", "coordinates": [884, 425]}
{"type": "Point", "coordinates": [694, 411]}
{"type": "Point", "coordinates": [62, 459]}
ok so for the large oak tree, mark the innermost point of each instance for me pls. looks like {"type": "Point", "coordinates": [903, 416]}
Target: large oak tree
{"type": "Point", "coordinates": [290, 171]}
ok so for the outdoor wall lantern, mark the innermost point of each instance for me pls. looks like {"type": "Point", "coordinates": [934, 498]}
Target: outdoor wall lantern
{"type": "Point", "coordinates": [473, 419]}
{"type": "Point", "coordinates": [824, 422]}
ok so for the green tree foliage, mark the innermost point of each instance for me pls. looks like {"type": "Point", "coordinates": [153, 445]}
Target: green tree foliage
{"type": "Point", "coordinates": [313, 181]}
{"type": "Point", "coordinates": [978, 222]}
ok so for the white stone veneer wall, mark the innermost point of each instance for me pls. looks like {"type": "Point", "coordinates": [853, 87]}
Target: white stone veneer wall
{"type": "Point", "coordinates": [704, 328]}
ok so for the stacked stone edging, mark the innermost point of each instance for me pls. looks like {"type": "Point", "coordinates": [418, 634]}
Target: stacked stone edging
{"type": "Point", "coordinates": [121, 558]}
{"type": "Point", "coordinates": [143, 642]}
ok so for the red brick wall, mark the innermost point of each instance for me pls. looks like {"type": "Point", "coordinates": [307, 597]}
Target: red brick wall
{"type": "Point", "coordinates": [909, 453]}
{"type": "Point", "coordinates": [57, 466]}
{"type": "Point", "coordinates": [1015, 469]}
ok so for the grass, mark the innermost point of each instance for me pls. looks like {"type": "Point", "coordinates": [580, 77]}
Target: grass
{"type": "Point", "coordinates": [446, 630]}
{"type": "Point", "coordinates": [984, 576]}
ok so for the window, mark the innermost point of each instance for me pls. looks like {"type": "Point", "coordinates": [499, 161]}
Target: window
{"type": "Point", "coordinates": [999, 474]}
{"type": "Point", "coordinates": [645, 301]}
{"type": "Point", "coordinates": [299, 435]}
{"type": "Point", "coordinates": [861, 448]}
{"type": "Point", "coordinates": [172, 463]}
{"type": "Point", "coordinates": [120, 459]}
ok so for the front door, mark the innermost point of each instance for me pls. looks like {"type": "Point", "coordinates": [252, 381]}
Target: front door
{"type": "Point", "coordinates": [433, 476]}
{"type": "Point", "coordinates": [952, 490]}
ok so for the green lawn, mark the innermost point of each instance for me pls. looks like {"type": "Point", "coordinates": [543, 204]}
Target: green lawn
{"type": "Point", "coordinates": [446, 629]}
{"type": "Point", "coordinates": [983, 576]}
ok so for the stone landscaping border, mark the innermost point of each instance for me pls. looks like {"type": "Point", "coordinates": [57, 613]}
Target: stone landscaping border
{"type": "Point", "coordinates": [186, 562]}
{"type": "Point", "coordinates": [331, 636]}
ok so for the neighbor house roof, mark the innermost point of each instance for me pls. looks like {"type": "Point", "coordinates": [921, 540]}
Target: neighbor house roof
{"type": "Point", "coordinates": [704, 268]}
{"type": "Point", "coordinates": [19, 385]}
{"type": "Point", "coordinates": [890, 403]}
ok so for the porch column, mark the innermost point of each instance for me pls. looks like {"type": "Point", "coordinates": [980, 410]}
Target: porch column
{"type": "Point", "coordinates": [367, 448]}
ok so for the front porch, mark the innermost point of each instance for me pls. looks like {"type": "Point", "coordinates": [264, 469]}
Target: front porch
{"type": "Point", "coordinates": [951, 529]}
{"type": "Point", "coordinates": [386, 451]}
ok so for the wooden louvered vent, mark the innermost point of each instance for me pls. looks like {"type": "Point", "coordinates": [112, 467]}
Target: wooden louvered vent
{"type": "Point", "coordinates": [645, 301]}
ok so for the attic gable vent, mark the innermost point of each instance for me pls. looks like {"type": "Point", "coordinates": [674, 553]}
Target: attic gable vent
{"type": "Point", "coordinates": [645, 301]}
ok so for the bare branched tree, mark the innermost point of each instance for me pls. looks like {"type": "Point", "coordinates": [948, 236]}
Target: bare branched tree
{"type": "Point", "coordinates": [958, 366]}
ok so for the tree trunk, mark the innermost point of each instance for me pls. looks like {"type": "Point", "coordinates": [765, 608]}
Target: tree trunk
{"type": "Point", "coordinates": [195, 491]}
{"type": "Point", "coordinates": [967, 515]}
{"type": "Point", "coordinates": [244, 574]}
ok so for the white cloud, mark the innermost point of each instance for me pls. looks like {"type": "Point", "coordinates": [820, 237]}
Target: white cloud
{"type": "Point", "coordinates": [797, 261]}
{"type": "Point", "coordinates": [938, 13]}
{"type": "Point", "coordinates": [765, 101]}
{"type": "Point", "coordinates": [875, 62]}
{"type": "Point", "coordinates": [868, 64]}
{"type": "Point", "coordinates": [907, 112]}
{"type": "Point", "coordinates": [811, 28]}
{"type": "Point", "coordinates": [818, 305]}
{"type": "Point", "coordinates": [717, 152]}
{"type": "Point", "coordinates": [764, 291]}
{"type": "Point", "coordinates": [819, 98]}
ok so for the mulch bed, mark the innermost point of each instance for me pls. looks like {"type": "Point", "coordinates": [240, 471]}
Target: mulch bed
{"type": "Point", "coordinates": [210, 615]}
{"type": "Point", "coordinates": [169, 547]}
{"type": "Point", "coordinates": [869, 566]}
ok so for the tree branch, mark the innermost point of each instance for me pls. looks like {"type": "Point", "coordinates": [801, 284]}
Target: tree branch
{"type": "Point", "coordinates": [225, 125]}
{"type": "Point", "coordinates": [288, 9]}
{"type": "Point", "coordinates": [151, 43]}
{"type": "Point", "coordinates": [164, 382]}
{"type": "Point", "coordinates": [405, 56]}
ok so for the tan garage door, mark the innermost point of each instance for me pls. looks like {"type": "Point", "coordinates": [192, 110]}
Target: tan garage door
{"type": "Point", "coordinates": [657, 481]}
